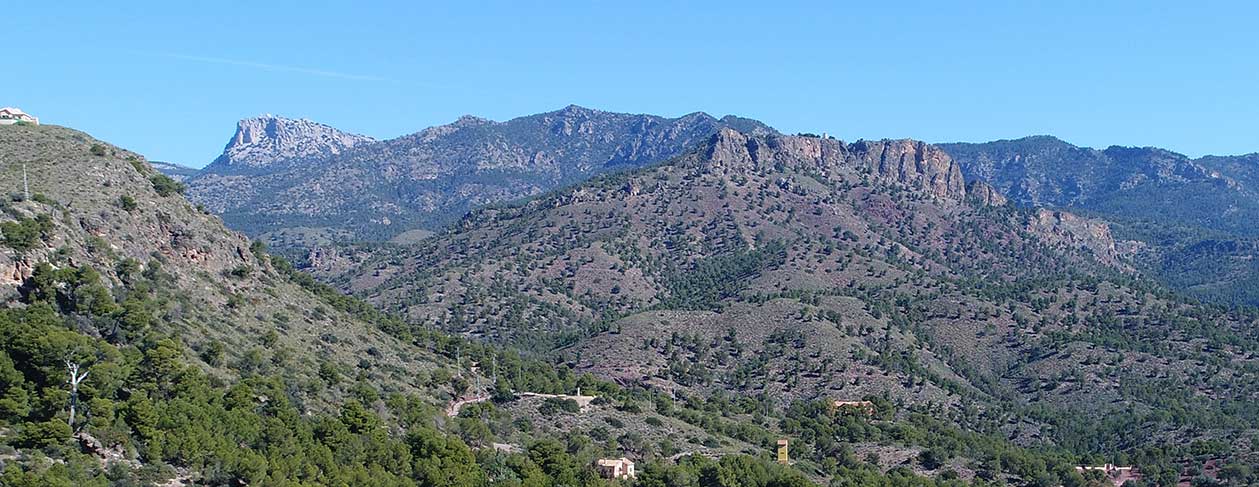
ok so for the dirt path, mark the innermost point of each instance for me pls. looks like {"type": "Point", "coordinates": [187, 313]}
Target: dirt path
{"type": "Point", "coordinates": [455, 407]}
{"type": "Point", "coordinates": [582, 401]}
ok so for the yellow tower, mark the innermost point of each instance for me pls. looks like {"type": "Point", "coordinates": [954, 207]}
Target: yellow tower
{"type": "Point", "coordinates": [782, 451]}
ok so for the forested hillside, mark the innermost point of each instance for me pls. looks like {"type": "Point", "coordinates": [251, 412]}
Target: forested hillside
{"type": "Point", "coordinates": [200, 358]}
{"type": "Point", "coordinates": [142, 343]}
{"type": "Point", "coordinates": [792, 269]}
{"type": "Point", "coordinates": [1192, 219]}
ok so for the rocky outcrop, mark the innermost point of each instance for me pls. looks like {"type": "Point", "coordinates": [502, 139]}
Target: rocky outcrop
{"type": "Point", "coordinates": [1073, 231]}
{"type": "Point", "coordinates": [265, 140]}
{"type": "Point", "coordinates": [912, 163]}
{"type": "Point", "coordinates": [92, 228]}
{"type": "Point", "coordinates": [984, 194]}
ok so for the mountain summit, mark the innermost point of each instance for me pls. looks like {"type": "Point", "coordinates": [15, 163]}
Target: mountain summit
{"type": "Point", "coordinates": [268, 139]}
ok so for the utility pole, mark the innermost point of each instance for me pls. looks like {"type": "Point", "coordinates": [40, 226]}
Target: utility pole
{"type": "Point", "coordinates": [26, 187]}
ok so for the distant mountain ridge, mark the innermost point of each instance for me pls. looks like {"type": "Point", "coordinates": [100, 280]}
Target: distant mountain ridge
{"type": "Point", "coordinates": [1194, 218]}
{"type": "Point", "coordinates": [277, 175]}
{"type": "Point", "coordinates": [300, 185]}
{"type": "Point", "coordinates": [177, 172]}
{"type": "Point", "coordinates": [1131, 182]}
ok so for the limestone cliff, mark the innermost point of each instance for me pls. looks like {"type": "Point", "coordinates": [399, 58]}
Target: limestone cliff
{"type": "Point", "coordinates": [912, 163]}
{"type": "Point", "coordinates": [268, 139]}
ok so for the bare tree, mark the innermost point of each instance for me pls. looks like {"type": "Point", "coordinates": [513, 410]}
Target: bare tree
{"type": "Point", "coordinates": [75, 378]}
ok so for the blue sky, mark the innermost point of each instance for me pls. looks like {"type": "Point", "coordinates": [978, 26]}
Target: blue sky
{"type": "Point", "coordinates": [169, 80]}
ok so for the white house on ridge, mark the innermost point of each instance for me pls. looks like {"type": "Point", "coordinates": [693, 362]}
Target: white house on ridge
{"type": "Point", "coordinates": [11, 115]}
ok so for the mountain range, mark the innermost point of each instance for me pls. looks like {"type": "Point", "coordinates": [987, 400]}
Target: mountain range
{"type": "Point", "coordinates": [295, 181]}
{"type": "Point", "coordinates": [1213, 192]}
{"type": "Point", "coordinates": [199, 359]}
{"type": "Point", "coordinates": [715, 299]}
{"type": "Point", "coordinates": [306, 187]}
{"type": "Point", "coordinates": [800, 268]}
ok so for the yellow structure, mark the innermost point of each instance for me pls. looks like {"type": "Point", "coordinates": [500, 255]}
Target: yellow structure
{"type": "Point", "coordinates": [782, 451]}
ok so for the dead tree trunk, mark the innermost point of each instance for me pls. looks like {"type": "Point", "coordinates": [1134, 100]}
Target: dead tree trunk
{"type": "Point", "coordinates": [74, 380]}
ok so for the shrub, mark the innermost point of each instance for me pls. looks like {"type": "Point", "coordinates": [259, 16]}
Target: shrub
{"type": "Point", "coordinates": [235, 301]}
{"type": "Point", "coordinates": [555, 405]}
{"type": "Point", "coordinates": [53, 432]}
{"type": "Point", "coordinates": [137, 164]}
{"type": "Point", "coordinates": [329, 373]}
{"type": "Point", "coordinates": [127, 203]}
{"type": "Point", "coordinates": [213, 353]}
{"type": "Point", "coordinates": [98, 150]}
{"type": "Point", "coordinates": [240, 272]}
{"type": "Point", "coordinates": [932, 458]}
{"type": "Point", "coordinates": [25, 233]}
{"type": "Point", "coordinates": [165, 186]}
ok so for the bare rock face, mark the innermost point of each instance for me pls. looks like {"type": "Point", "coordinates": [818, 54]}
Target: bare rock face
{"type": "Point", "coordinates": [265, 140]}
{"type": "Point", "coordinates": [913, 163]}
{"type": "Point", "coordinates": [984, 194]}
{"type": "Point", "coordinates": [1066, 229]}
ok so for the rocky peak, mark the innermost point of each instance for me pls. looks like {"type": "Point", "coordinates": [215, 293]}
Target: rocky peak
{"type": "Point", "coordinates": [268, 139]}
{"type": "Point", "coordinates": [729, 148]}
{"type": "Point", "coordinates": [576, 110]}
{"type": "Point", "coordinates": [471, 121]}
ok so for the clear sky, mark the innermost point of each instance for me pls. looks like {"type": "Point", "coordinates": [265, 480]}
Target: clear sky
{"type": "Point", "coordinates": [169, 79]}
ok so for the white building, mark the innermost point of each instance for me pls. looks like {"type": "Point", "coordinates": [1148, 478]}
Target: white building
{"type": "Point", "coordinates": [10, 116]}
{"type": "Point", "coordinates": [616, 468]}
